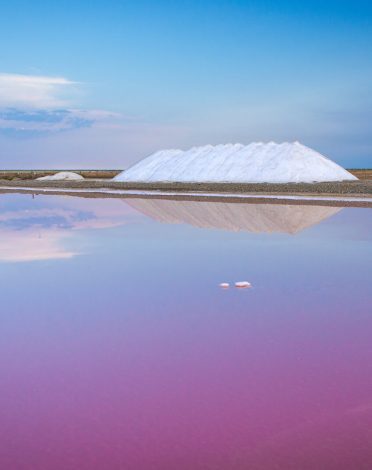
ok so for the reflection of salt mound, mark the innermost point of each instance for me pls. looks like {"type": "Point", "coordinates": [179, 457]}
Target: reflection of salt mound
{"type": "Point", "coordinates": [256, 162]}
{"type": "Point", "coordinates": [62, 176]}
{"type": "Point", "coordinates": [234, 216]}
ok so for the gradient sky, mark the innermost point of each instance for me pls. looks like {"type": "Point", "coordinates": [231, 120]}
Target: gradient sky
{"type": "Point", "coordinates": [102, 84]}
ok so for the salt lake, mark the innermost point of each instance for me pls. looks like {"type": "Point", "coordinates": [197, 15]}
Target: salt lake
{"type": "Point", "coordinates": [120, 350]}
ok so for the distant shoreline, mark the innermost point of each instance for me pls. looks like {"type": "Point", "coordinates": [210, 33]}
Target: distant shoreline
{"type": "Point", "coordinates": [341, 194]}
{"type": "Point", "coordinates": [333, 187]}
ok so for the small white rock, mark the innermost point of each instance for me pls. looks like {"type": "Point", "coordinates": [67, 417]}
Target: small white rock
{"type": "Point", "coordinates": [224, 285]}
{"type": "Point", "coordinates": [243, 284]}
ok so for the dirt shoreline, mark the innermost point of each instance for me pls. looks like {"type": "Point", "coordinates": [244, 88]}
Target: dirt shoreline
{"type": "Point", "coordinates": [343, 188]}
{"type": "Point", "coordinates": [255, 193]}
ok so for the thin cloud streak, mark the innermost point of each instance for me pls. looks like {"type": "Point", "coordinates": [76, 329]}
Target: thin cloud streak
{"type": "Point", "coordinates": [34, 91]}
{"type": "Point", "coordinates": [36, 105]}
{"type": "Point", "coordinates": [36, 122]}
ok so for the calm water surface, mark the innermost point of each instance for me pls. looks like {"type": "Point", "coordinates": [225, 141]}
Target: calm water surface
{"type": "Point", "coordinates": [118, 349]}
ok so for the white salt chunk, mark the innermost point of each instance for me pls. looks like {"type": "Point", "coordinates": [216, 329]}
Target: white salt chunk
{"type": "Point", "coordinates": [224, 285]}
{"type": "Point", "coordinates": [243, 284]}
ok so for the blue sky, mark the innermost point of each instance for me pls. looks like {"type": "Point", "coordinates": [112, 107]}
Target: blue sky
{"type": "Point", "coordinates": [102, 84]}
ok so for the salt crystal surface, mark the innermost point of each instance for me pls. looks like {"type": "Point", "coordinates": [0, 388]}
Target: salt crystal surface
{"type": "Point", "coordinates": [243, 284]}
{"type": "Point", "coordinates": [237, 163]}
{"type": "Point", "coordinates": [224, 285]}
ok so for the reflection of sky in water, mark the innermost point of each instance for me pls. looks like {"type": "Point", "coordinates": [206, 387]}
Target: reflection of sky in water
{"type": "Point", "coordinates": [130, 356]}
{"type": "Point", "coordinates": [47, 228]}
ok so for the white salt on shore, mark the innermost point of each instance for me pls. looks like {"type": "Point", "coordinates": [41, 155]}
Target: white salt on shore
{"type": "Point", "coordinates": [62, 176]}
{"type": "Point", "coordinates": [236, 163]}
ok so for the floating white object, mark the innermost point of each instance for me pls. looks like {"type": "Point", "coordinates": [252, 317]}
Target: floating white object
{"type": "Point", "coordinates": [62, 176]}
{"type": "Point", "coordinates": [224, 285]}
{"type": "Point", "coordinates": [243, 284]}
{"type": "Point", "coordinates": [289, 162]}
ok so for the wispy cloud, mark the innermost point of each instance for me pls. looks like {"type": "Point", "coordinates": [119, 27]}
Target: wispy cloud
{"type": "Point", "coordinates": [43, 124]}
{"type": "Point", "coordinates": [29, 123]}
{"type": "Point", "coordinates": [34, 105]}
{"type": "Point", "coordinates": [34, 91]}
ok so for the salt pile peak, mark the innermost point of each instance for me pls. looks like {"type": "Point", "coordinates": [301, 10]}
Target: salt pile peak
{"type": "Point", "coordinates": [237, 163]}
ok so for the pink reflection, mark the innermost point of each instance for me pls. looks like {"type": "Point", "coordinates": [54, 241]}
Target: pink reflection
{"type": "Point", "coordinates": [97, 373]}
{"type": "Point", "coordinates": [33, 245]}
{"type": "Point", "coordinates": [152, 395]}
{"type": "Point", "coordinates": [34, 241]}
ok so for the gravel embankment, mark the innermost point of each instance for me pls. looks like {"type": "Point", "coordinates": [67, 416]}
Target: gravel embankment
{"type": "Point", "coordinates": [346, 188]}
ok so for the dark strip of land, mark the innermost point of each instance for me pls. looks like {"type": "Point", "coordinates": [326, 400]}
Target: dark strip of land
{"type": "Point", "coordinates": [343, 188]}
{"type": "Point", "coordinates": [204, 191]}
{"type": "Point", "coordinates": [362, 174]}
{"type": "Point", "coordinates": [191, 196]}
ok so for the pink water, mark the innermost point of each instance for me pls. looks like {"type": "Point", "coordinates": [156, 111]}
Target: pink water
{"type": "Point", "coordinates": [118, 349]}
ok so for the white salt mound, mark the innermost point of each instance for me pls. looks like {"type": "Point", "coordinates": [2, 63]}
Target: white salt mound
{"type": "Point", "coordinates": [62, 176]}
{"type": "Point", "coordinates": [236, 163]}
